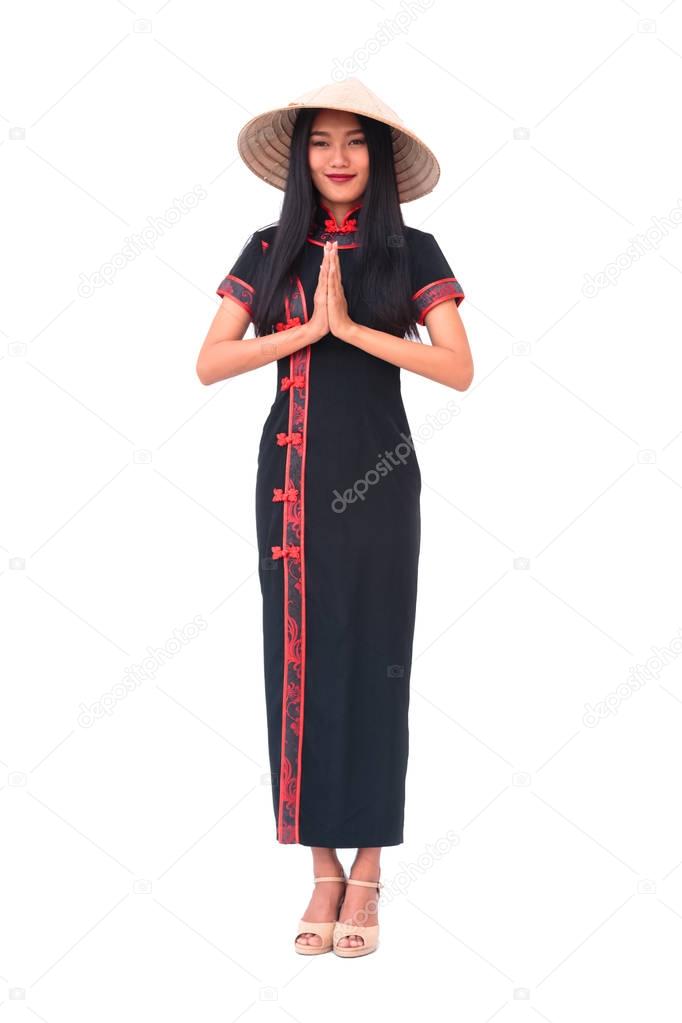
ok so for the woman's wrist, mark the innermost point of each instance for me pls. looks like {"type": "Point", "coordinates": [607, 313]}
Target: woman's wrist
{"type": "Point", "coordinates": [348, 332]}
{"type": "Point", "coordinates": [312, 333]}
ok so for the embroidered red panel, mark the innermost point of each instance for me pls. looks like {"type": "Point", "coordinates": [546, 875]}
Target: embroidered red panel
{"type": "Point", "coordinates": [292, 551]}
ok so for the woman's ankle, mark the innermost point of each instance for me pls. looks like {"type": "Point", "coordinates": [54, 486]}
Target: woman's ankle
{"type": "Point", "coordinates": [367, 861]}
{"type": "Point", "coordinates": [365, 870]}
{"type": "Point", "coordinates": [326, 863]}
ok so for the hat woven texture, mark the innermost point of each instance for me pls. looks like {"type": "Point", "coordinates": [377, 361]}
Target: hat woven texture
{"type": "Point", "coordinates": [264, 143]}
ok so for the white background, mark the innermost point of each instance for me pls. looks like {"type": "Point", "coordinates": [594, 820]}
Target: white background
{"type": "Point", "coordinates": [141, 875]}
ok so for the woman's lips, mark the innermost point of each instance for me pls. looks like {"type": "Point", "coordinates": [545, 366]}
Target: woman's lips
{"type": "Point", "coordinates": [340, 177]}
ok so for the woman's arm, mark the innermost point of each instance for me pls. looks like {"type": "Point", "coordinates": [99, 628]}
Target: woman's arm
{"type": "Point", "coordinates": [447, 360]}
{"type": "Point", "coordinates": [224, 354]}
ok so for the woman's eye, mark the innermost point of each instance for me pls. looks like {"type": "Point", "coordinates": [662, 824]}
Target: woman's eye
{"type": "Point", "coordinates": [320, 142]}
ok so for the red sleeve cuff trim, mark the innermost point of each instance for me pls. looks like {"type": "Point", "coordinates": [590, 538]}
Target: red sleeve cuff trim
{"type": "Point", "coordinates": [437, 291]}
{"type": "Point", "coordinates": [237, 289]}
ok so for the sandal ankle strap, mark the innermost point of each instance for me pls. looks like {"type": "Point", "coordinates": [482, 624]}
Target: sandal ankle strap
{"type": "Point", "coordinates": [365, 884]}
{"type": "Point", "coordinates": [338, 877]}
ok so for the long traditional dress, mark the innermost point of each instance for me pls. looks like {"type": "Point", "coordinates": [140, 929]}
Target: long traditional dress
{"type": "Point", "coordinates": [338, 529]}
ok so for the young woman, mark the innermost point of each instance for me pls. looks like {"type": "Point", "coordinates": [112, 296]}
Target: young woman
{"type": "Point", "coordinates": [335, 290]}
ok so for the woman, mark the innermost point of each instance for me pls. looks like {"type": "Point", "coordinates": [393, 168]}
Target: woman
{"type": "Point", "coordinates": [333, 290]}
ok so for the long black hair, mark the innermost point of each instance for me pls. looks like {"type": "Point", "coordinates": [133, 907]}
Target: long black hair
{"type": "Point", "coordinates": [383, 278]}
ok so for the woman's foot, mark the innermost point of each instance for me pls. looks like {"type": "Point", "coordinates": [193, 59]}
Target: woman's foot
{"type": "Point", "coordinates": [359, 907]}
{"type": "Point", "coordinates": [324, 904]}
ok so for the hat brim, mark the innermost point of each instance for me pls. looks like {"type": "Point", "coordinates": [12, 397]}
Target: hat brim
{"type": "Point", "coordinates": [264, 144]}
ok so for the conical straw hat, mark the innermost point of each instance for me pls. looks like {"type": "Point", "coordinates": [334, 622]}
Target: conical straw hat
{"type": "Point", "coordinates": [264, 142]}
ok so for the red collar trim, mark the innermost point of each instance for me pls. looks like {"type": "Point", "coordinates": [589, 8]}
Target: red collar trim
{"type": "Point", "coordinates": [348, 223]}
{"type": "Point", "coordinates": [326, 228]}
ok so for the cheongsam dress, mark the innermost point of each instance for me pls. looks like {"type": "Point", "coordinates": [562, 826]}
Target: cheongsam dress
{"type": "Point", "coordinates": [338, 529]}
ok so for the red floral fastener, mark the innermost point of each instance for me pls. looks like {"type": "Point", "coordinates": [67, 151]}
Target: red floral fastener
{"type": "Point", "coordinates": [289, 495]}
{"type": "Point", "coordinates": [296, 381]}
{"type": "Point", "coordinates": [331, 227]}
{"type": "Point", "coordinates": [295, 321]}
{"type": "Point", "coordinates": [289, 438]}
{"type": "Point", "coordinates": [288, 551]}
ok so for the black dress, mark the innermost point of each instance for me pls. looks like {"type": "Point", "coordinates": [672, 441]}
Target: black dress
{"type": "Point", "coordinates": [338, 530]}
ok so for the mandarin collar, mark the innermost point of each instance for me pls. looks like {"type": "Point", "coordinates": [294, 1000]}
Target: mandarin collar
{"type": "Point", "coordinates": [326, 228]}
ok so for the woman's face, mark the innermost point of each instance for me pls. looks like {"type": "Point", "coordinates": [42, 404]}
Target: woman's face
{"type": "Point", "coordinates": [337, 146]}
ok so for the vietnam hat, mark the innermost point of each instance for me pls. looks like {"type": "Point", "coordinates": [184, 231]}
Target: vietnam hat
{"type": "Point", "coordinates": [264, 143]}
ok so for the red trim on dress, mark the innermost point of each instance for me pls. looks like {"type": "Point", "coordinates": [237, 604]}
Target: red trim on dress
{"type": "Point", "coordinates": [289, 438]}
{"type": "Point", "coordinates": [344, 227]}
{"type": "Point", "coordinates": [351, 245]}
{"type": "Point", "coordinates": [231, 277]}
{"type": "Point", "coordinates": [292, 553]}
{"type": "Point", "coordinates": [347, 226]}
{"type": "Point", "coordinates": [284, 495]}
{"type": "Point", "coordinates": [288, 382]}
{"type": "Point", "coordinates": [237, 289]}
{"type": "Point", "coordinates": [434, 293]}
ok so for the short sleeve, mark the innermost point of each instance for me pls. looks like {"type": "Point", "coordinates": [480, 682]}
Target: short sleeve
{"type": "Point", "coordinates": [238, 282]}
{"type": "Point", "coordinates": [432, 278]}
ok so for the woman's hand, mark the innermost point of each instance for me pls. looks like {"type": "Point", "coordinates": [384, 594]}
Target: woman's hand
{"type": "Point", "coordinates": [337, 307]}
{"type": "Point", "coordinates": [318, 324]}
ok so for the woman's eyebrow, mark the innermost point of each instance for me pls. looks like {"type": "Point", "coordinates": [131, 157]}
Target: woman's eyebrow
{"type": "Point", "coordinates": [350, 131]}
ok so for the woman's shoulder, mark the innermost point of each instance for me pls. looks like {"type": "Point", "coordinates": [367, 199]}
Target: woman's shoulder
{"type": "Point", "coordinates": [259, 239]}
{"type": "Point", "coordinates": [265, 235]}
{"type": "Point", "coordinates": [416, 237]}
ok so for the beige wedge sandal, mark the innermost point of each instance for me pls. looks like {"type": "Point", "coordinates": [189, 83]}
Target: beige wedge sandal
{"type": "Point", "coordinates": [369, 935]}
{"type": "Point", "coordinates": [325, 929]}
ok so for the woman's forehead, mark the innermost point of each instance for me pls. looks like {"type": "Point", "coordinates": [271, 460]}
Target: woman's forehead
{"type": "Point", "coordinates": [335, 121]}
